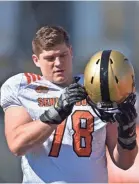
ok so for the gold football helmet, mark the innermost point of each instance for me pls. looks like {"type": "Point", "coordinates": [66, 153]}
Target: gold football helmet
{"type": "Point", "coordinates": [109, 79]}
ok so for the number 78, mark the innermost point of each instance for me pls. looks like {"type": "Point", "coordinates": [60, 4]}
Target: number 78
{"type": "Point", "coordinates": [83, 127]}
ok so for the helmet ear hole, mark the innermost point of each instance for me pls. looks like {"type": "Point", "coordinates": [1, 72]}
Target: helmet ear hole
{"type": "Point", "coordinates": [92, 80]}
{"type": "Point", "coordinates": [116, 79]}
{"type": "Point", "coordinates": [125, 59]}
{"type": "Point", "coordinates": [111, 61]}
{"type": "Point", "coordinates": [97, 61]}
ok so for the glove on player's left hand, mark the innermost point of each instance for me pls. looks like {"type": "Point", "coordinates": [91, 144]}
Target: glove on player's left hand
{"type": "Point", "coordinates": [126, 124]}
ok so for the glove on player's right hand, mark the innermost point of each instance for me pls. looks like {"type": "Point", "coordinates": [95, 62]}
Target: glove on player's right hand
{"type": "Point", "coordinates": [63, 108]}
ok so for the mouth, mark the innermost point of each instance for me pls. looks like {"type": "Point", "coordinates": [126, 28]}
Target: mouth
{"type": "Point", "coordinates": [59, 71]}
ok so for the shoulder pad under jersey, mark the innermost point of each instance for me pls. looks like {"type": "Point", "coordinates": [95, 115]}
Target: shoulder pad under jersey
{"type": "Point", "coordinates": [11, 87]}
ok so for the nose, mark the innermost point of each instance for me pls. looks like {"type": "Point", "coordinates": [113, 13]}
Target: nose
{"type": "Point", "coordinates": [58, 61]}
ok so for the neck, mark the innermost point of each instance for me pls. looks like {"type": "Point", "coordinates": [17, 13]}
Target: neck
{"type": "Point", "coordinates": [64, 84]}
{"type": "Point", "coordinates": [67, 83]}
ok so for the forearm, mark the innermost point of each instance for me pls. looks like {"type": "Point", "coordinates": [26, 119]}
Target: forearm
{"type": "Point", "coordinates": [28, 135]}
{"type": "Point", "coordinates": [121, 157]}
{"type": "Point", "coordinates": [124, 158]}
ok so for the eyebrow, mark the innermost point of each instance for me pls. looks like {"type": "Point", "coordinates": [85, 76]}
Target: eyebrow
{"type": "Point", "coordinates": [48, 56]}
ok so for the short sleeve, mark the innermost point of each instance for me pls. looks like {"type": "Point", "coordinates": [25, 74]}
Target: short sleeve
{"type": "Point", "coordinates": [9, 92]}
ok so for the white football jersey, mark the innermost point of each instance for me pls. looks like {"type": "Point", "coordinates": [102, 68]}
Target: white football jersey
{"type": "Point", "coordinates": [75, 152]}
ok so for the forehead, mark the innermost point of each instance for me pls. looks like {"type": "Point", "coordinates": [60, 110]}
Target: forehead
{"type": "Point", "coordinates": [58, 49]}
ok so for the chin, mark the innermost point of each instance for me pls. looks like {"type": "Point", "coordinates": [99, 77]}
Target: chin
{"type": "Point", "coordinates": [60, 80]}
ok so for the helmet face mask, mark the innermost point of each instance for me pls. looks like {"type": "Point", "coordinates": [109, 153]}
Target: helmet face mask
{"type": "Point", "coordinates": [106, 111]}
{"type": "Point", "coordinates": [109, 82]}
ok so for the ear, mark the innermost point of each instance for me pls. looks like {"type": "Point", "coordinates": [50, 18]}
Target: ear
{"type": "Point", "coordinates": [71, 51]}
{"type": "Point", "coordinates": [36, 60]}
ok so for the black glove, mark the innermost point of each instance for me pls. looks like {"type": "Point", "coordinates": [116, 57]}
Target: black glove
{"type": "Point", "coordinates": [126, 125]}
{"type": "Point", "coordinates": [125, 117]}
{"type": "Point", "coordinates": [63, 108]}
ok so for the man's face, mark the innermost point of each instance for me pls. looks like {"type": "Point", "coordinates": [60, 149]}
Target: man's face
{"type": "Point", "coordinates": [56, 64]}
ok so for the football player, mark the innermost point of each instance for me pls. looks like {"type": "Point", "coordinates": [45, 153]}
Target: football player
{"type": "Point", "coordinates": [49, 123]}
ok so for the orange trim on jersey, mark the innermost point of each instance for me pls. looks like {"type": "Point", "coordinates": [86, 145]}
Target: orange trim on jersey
{"type": "Point", "coordinates": [38, 77]}
{"type": "Point", "coordinates": [31, 77]}
{"type": "Point", "coordinates": [34, 77]}
{"type": "Point", "coordinates": [28, 77]}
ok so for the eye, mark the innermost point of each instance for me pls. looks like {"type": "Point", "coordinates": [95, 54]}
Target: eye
{"type": "Point", "coordinates": [63, 55]}
{"type": "Point", "coordinates": [50, 59]}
